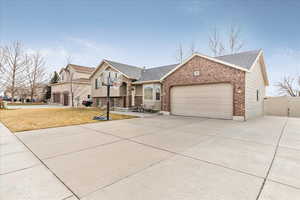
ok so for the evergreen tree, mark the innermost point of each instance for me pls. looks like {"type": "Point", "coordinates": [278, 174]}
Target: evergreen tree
{"type": "Point", "coordinates": [55, 78]}
{"type": "Point", "coordinates": [48, 92]}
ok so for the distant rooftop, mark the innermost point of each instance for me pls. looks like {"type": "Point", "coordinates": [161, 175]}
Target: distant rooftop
{"type": "Point", "coordinates": [82, 68]}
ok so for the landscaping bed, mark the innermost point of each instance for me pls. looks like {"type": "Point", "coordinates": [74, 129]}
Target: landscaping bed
{"type": "Point", "coordinates": [30, 119]}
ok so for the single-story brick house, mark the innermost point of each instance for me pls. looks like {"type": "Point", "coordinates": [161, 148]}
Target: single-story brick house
{"type": "Point", "coordinates": [227, 87]}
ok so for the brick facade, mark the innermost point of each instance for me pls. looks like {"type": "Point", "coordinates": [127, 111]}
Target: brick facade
{"type": "Point", "coordinates": [210, 72]}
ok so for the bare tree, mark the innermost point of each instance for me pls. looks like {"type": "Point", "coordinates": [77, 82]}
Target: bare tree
{"type": "Point", "coordinates": [214, 41]}
{"type": "Point", "coordinates": [69, 59]}
{"type": "Point", "coordinates": [179, 53]}
{"type": "Point", "coordinates": [73, 85]}
{"type": "Point", "coordinates": [235, 43]}
{"type": "Point", "coordinates": [1, 59]}
{"type": "Point", "coordinates": [2, 63]}
{"type": "Point", "coordinates": [288, 86]}
{"type": "Point", "coordinates": [14, 66]}
{"type": "Point", "coordinates": [192, 48]}
{"type": "Point", "coordinates": [36, 73]}
{"type": "Point", "coordinates": [217, 44]}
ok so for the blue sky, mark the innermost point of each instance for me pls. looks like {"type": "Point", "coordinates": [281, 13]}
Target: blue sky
{"type": "Point", "coordinates": [147, 33]}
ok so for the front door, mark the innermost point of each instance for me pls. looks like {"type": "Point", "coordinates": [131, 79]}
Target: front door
{"type": "Point", "coordinates": [66, 99]}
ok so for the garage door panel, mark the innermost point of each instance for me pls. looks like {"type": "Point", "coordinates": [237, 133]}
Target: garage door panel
{"type": "Point", "coordinates": [213, 101]}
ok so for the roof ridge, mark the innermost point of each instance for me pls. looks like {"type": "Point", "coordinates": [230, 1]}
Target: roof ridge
{"type": "Point", "coordinates": [80, 65]}
{"type": "Point", "coordinates": [122, 63]}
{"type": "Point", "coordinates": [257, 50]}
{"type": "Point", "coordinates": [156, 67]}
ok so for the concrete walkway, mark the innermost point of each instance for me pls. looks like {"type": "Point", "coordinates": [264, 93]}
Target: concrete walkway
{"type": "Point", "coordinates": [23, 175]}
{"type": "Point", "coordinates": [36, 106]}
{"type": "Point", "coordinates": [138, 114]}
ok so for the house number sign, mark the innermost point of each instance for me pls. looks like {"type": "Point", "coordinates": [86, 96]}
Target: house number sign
{"type": "Point", "coordinates": [196, 73]}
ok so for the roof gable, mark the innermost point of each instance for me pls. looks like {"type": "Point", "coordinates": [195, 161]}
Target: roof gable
{"type": "Point", "coordinates": [243, 61]}
{"type": "Point", "coordinates": [80, 68]}
{"type": "Point", "coordinates": [130, 71]}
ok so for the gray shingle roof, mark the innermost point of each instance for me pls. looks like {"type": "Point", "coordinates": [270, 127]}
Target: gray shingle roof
{"type": "Point", "coordinates": [156, 73]}
{"type": "Point", "coordinates": [243, 59]}
{"type": "Point", "coordinates": [130, 70]}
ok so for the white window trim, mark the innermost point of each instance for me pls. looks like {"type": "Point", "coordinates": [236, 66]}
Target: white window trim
{"type": "Point", "coordinates": [153, 92]}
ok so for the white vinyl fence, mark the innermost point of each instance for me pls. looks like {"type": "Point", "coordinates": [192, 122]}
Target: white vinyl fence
{"type": "Point", "coordinates": [282, 106]}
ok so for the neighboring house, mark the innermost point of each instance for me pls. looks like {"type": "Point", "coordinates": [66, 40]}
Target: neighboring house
{"type": "Point", "coordinates": [226, 87]}
{"type": "Point", "coordinates": [21, 93]}
{"type": "Point", "coordinates": [73, 86]}
{"type": "Point", "coordinates": [40, 92]}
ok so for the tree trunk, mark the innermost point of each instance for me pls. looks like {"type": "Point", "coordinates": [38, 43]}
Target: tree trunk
{"type": "Point", "coordinates": [31, 94]}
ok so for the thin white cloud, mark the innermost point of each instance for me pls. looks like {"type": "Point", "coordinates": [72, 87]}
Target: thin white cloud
{"type": "Point", "coordinates": [193, 8]}
{"type": "Point", "coordinates": [82, 52]}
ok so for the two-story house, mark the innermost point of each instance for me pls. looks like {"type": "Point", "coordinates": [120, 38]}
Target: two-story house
{"type": "Point", "coordinates": [73, 87]}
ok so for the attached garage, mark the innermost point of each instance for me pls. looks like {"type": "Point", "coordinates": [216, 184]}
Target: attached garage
{"type": "Point", "coordinates": [204, 100]}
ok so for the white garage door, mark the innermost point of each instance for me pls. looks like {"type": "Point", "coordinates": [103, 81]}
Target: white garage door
{"type": "Point", "coordinates": [211, 100]}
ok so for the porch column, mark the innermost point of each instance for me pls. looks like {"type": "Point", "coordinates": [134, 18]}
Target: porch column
{"type": "Point", "coordinates": [128, 95]}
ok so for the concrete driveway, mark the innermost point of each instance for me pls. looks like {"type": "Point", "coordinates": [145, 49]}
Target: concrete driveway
{"type": "Point", "coordinates": [168, 157]}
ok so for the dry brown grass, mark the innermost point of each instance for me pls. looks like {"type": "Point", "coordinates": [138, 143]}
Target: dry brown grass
{"type": "Point", "coordinates": [30, 119]}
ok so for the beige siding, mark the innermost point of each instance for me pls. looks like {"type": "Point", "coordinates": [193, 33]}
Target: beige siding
{"type": "Point", "coordinates": [254, 82]}
{"type": "Point", "coordinates": [277, 106]}
{"type": "Point", "coordinates": [79, 75]}
{"type": "Point", "coordinates": [210, 100]}
{"type": "Point", "coordinates": [152, 104]}
{"type": "Point", "coordinates": [76, 75]}
{"type": "Point", "coordinates": [81, 92]}
{"type": "Point", "coordinates": [138, 90]}
{"type": "Point", "coordinates": [294, 106]}
{"type": "Point", "coordinates": [283, 106]}
{"type": "Point", "coordinates": [102, 91]}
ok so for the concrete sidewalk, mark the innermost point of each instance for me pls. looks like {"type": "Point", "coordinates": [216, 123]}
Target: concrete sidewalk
{"type": "Point", "coordinates": [36, 106]}
{"type": "Point", "coordinates": [137, 114]}
{"type": "Point", "coordinates": [23, 175]}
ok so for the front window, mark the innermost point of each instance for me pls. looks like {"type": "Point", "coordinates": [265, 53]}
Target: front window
{"type": "Point", "coordinates": [148, 92]}
{"type": "Point", "coordinates": [157, 93]}
{"type": "Point", "coordinates": [96, 83]}
{"type": "Point", "coordinates": [152, 92]}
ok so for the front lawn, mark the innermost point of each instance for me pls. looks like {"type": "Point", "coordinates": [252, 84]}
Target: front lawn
{"type": "Point", "coordinates": [30, 119]}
